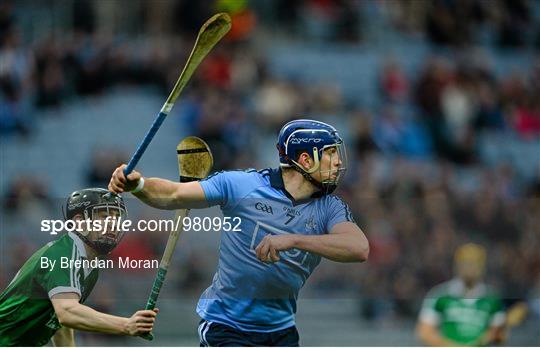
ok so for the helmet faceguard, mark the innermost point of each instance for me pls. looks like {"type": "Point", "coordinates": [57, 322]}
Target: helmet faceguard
{"type": "Point", "coordinates": [105, 239]}
{"type": "Point", "coordinates": [332, 174]}
{"type": "Point", "coordinates": [322, 143]}
{"type": "Point", "coordinates": [98, 204]}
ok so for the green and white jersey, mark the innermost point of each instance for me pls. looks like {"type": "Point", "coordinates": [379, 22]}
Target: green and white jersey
{"type": "Point", "coordinates": [27, 317]}
{"type": "Point", "coordinates": [462, 317]}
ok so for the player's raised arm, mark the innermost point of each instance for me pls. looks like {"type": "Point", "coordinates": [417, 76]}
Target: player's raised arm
{"type": "Point", "coordinates": [72, 314]}
{"type": "Point", "coordinates": [158, 193]}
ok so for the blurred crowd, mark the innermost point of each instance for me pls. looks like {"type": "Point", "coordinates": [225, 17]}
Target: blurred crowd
{"type": "Point", "coordinates": [451, 103]}
{"type": "Point", "coordinates": [459, 23]}
{"type": "Point", "coordinates": [417, 213]}
{"type": "Point", "coordinates": [416, 184]}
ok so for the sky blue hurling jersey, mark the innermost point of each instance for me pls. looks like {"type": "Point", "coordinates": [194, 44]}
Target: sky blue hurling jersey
{"type": "Point", "coordinates": [246, 293]}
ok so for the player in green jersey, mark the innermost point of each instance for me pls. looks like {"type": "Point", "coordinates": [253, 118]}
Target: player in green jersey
{"type": "Point", "coordinates": [44, 300]}
{"type": "Point", "coordinates": [462, 311]}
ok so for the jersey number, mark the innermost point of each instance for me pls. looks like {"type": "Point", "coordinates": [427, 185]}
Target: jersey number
{"type": "Point", "coordinates": [291, 217]}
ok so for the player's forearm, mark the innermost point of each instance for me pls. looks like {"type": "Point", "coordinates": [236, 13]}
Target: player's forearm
{"type": "Point", "coordinates": [336, 247]}
{"type": "Point", "coordinates": [169, 195]}
{"type": "Point", "coordinates": [159, 193]}
{"type": "Point", "coordinates": [81, 317]}
{"type": "Point", "coordinates": [64, 337]}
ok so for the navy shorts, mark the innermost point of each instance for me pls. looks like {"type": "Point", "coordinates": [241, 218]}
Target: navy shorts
{"type": "Point", "coordinates": [219, 335]}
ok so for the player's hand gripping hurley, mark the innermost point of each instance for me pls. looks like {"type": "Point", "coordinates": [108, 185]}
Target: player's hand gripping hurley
{"type": "Point", "coordinates": [194, 163]}
{"type": "Point", "coordinates": [210, 33]}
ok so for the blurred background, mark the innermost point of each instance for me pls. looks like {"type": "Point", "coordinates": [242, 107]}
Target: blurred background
{"type": "Point", "coordinates": [439, 103]}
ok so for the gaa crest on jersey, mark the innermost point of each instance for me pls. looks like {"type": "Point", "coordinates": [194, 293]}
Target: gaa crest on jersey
{"type": "Point", "coordinates": [264, 208]}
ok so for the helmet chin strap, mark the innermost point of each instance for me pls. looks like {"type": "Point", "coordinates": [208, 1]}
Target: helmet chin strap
{"type": "Point", "coordinates": [325, 189]}
{"type": "Point", "coordinates": [100, 248]}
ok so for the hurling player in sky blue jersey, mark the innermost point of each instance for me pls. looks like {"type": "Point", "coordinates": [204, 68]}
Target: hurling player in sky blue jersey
{"type": "Point", "coordinates": [289, 220]}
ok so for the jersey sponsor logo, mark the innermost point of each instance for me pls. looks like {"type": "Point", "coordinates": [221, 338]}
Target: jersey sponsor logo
{"type": "Point", "coordinates": [291, 211]}
{"type": "Point", "coordinates": [264, 208]}
{"type": "Point", "coordinates": [459, 313]}
{"type": "Point", "coordinates": [297, 141]}
{"type": "Point", "coordinates": [295, 257]}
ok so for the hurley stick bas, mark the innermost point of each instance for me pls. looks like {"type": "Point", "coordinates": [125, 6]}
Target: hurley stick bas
{"type": "Point", "coordinates": [194, 163]}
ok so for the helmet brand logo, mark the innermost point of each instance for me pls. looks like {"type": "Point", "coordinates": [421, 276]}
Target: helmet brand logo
{"type": "Point", "coordinates": [78, 205]}
{"type": "Point", "coordinates": [305, 140]}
